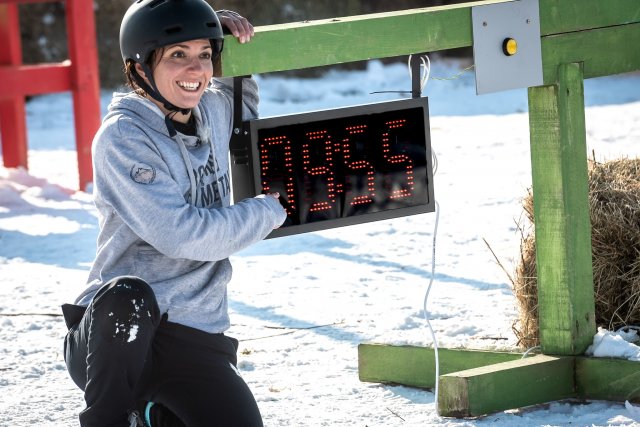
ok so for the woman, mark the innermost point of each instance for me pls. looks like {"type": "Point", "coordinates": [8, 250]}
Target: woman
{"type": "Point", "coordinates": [146, 338]}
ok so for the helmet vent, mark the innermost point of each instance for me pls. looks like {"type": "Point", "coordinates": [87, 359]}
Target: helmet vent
{"type": "Point", "coordinates": [212, 24]}
{"type": "Point", "coordinates": [173, 30]}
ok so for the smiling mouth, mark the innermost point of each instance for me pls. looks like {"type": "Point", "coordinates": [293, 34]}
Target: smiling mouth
{"type": "Point", "coordinates": [189, 86]}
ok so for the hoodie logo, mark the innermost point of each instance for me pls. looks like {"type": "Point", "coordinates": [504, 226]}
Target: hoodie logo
{"type": "Point", "coordinates": [142, 173]}
{"type": "Point", "coordinates": [212, 184]}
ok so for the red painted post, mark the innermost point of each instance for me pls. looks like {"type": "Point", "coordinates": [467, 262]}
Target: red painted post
{"type": "Point", "coordinates": [79, 75]}
{"type": "Point", "coordinates": [85, 82]}
{"type": "Point", "coordinates": [13, 128]}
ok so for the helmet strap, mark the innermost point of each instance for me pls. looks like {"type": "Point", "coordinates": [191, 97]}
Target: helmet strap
{"type": "Point", "coordinates": [152, 90]}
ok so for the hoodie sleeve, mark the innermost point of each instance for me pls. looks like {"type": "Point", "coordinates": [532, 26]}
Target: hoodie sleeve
{"type": "Point", "coordinates": [133, 182]}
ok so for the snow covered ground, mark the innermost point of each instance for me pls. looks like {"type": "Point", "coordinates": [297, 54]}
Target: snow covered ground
{"type": "Point", "coordinates": [300, 305]}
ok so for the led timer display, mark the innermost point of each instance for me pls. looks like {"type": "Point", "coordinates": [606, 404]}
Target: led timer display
{"type": "Point", "coordinates": [340, 167]}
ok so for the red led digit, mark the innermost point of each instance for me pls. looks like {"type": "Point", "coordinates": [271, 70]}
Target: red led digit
{"type": "Point", "coordinates": [276, 166]}
{"type": "Point", "coordinates": [398, 190]}
{"type": "Point", "coordinates": [320, 142]}
{"type": "Point", "coordinates": [360, 167]}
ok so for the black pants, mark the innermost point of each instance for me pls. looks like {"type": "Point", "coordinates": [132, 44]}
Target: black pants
{"type": "Point", "coordinates": [120, 351]}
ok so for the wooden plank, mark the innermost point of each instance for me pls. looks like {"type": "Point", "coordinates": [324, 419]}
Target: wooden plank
{"type": "Point", "coordinates": [562, 16]}
{"type": "Point", "coordinates": [13, 133]}
{"type": "Point", "coordinates": [29, 1]}
{"type": "Point", "coordinates": [382, 35]}
{"type": "Point", "coordinates": [347, 39]}
{"type": "Point", "coordinates": [21, 80]}
{"type": "Point", "coordinates": [608, 379]}
{"type": "Point", "coordinates": [415, 366]}
{"type": "Point", "coordinates": [13, 128]}
{"type": "Point", "coordinates": [83, 53]}
{"type": "Point", "coordinates": [507, 385]}
{"type": "Point", "coordinates": [561, 211]}
{"type": "Point", "coordinates": [603, 51]}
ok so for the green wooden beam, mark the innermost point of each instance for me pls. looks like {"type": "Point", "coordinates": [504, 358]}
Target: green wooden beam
{"type": "Point", "coordinates": [475, 382]}
{"type": "Point", "coordinates": [415, 366]}
{"type": "Point", "coordinates": [561, 211]}
{"type": "Point", "coordinates": [602, 52]}
{"type": "Point", "coordinates": [507, 385]}
{"type": "Point", "coordinates": [382, 35]}
{"type": "Point", "coordinates": [608, 379]}
{"type": "Point", "coordinates": [348, 39]}
{"type": "Point", "coordinates": [562, 16]}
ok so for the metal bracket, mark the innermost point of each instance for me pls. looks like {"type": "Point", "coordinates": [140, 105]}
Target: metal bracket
{"type": "Point", "coordinates": [240, 141]}
{"type": "Point", "coordinates": [416, 90]}
{"type": "Point", "coordinates": [506, 45]}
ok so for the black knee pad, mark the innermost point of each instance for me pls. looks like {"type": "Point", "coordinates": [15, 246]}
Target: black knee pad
{"type": "Point", "coordinates": [124, 306]}
{"type": "Point", "coordinates": [127, 288]}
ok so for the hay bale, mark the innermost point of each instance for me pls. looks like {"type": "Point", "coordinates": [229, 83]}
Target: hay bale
{"type": "Point", "coordinates": [614, 199]}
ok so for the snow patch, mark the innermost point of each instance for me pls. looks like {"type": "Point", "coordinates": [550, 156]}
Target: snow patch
{"type": "Point", "coordinates": [634, 411]}
{"type": "Point", "coordinates": [615, 344]}
{"type": "Point", "coordinates": [133, 333]}
{"type": "Point", "coordinates": [246, 365]}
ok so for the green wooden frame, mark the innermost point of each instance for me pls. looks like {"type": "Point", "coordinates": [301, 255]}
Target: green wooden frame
{"type": "Point", "coordinates": [474, 383]}
{"type": "Point", "coordinates": [580, 39]}
{"type": "Point", "coordinates": [570, 30]}
{"type": "Point", "coordinates": [414, 366]}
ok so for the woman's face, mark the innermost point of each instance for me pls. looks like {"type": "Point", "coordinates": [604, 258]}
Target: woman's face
{"type": "Point", "coordinates": [182, 72]}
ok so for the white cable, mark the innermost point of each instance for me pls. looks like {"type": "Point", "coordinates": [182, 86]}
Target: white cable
{"type": "Point", "coordinates": [526, 353]}
{"type": "Point", "coordinates": [435, 162]}
{"type": "Point", "coordinates": [426, 298]}
{"type": "Point", "coordinates": [426, 64]}
{"type": "Point", "coordinates": [427, 67]}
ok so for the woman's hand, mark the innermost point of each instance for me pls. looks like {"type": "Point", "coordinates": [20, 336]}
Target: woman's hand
{"type": "Point", "coordinates": [276, 196]}
{"type": "Point", "coordinates": [239, 26]}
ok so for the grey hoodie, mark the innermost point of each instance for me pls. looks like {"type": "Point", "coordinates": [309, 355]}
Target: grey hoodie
{"type": "Point", "coordinates": [150, 224]}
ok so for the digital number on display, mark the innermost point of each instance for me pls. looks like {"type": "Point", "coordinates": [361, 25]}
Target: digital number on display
{"type": "Point", "coordinates": [341, 167]}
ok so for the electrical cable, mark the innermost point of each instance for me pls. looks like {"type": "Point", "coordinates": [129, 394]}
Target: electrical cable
{"type": "Point", "coordinates": [526, 353]}
{"type": "Point", "coordinates": [455, 76]}
{"type": "Point", "coordinates": [426, 63]}
{"type": "Point", "coordinates": [426, 299]}
{"type": "Point", "coordinates": [424, 78]}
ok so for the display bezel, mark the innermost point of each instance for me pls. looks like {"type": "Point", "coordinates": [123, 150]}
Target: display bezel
{"type": "Point", "coordinates": [251, 187]}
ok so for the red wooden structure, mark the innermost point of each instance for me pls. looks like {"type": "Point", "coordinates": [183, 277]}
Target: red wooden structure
{"type": "Point", "coordinates": [78, 74]}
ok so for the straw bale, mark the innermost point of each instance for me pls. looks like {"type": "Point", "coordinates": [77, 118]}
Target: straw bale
{"type": "Point", "coordinates": [614, 199]}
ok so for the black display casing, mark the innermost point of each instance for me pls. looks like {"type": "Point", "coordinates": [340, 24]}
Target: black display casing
{"type": "Point", "coordinates": [412, 144]}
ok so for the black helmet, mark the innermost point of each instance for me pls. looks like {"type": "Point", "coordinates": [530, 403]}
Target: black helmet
{"type": "Point", "coordinates": [150, 24]}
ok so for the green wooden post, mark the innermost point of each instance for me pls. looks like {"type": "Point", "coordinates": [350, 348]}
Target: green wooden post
{"type": "Point", "coordinates": [561, 209]}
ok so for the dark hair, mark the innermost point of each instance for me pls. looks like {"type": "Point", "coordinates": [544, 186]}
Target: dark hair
{"type": "Point", "coordinates": [130, 70]}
